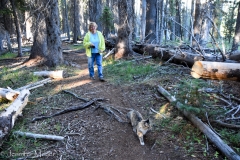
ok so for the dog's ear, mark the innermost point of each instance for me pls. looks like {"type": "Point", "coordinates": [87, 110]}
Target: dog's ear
{"type": "Point", "coordinates": [147, 122]}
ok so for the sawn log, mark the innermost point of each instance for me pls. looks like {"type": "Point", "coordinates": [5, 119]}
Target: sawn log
{"type": "Point", "coordinates": [216, 70]}
{"type": "Point", "coordinates": [51, 74]}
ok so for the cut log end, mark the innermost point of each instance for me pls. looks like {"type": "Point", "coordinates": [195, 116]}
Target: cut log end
{"type": "Point", "coordinates": [216, 70]}
{"type": "Point", "coordinates": [51, 74]}
{"type": "Point", "coordinates": [197, 69]}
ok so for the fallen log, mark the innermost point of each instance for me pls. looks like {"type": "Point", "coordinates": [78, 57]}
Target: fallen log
{"type": "Point", "coordinates": [176, 55]}
{"type": "Point", "coordinates": [51, 74]}
{"type": "Point", "coordinates": [39, 136]}
{"type": "Point", "coordinates": [34, 85]}
{"type": "Point", "coordinates": [235, 55]}
{"type": "Point", "coordinates": [216, 70]}
{"type": "Point", "coordinates": [8, 94]}
{"type": "Point", "coordinates": [9, 116]}
{"type": "Point", "coordinates": [214, 138]}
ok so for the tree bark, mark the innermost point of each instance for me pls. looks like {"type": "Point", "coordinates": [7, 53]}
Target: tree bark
{"type": "Point", "coordinates": [66, 23]}
{"type": "Point", "coordinates": [236, 39]}
{"type": "Point", "coordinates": [222, 146]}
{"type": "Point", "coordinates": [54, 43]}
{"type": "Point", "coordinates": [168, 53]}
{"type": "Point", "coordinates": [235, 55]}
{"type": "Point", "coordinates": [76, 24]}
{"type": "Point", "coordinates": [18, 29]}
{"type": "Point", "coordinates": [216, 70]}
{"type": "Point", "coordinates": [201, 28]}
{"type": "Point", "coordinates": [176, 55]}
{"type": "Point", "coordinates": [95, 10]}
{"type": "Point", "coordinates": [143, 20]}
{"type": "Point", "coordinates": [123, 46]}
{"type": "Point", "coordinates": [39, 47]}
{"type": "Point", "coordinates": [151, 19]}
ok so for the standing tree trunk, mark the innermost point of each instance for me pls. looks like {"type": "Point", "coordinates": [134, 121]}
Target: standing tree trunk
{"type": "Point", "coordinates": [172, 24]}
{"type": "Point", "coordinates": [162, 26]}
{"type": "Point", "coordinates": [197, 23]}
{"type": "Point", "coordinates": [125, 12]}
{"type": "Point", "coordinates": [143, 20]}
{"type": "Point", "coordinates": [151, 21]}
{"type": "Point", "coordinates": [65, 19]}
{"type": "Point", "coordinates": [76, 24]}
{"type": "Point", "coordinates": [178, 30]}
{"type": "Point", "coordinates": [236, 39]}
{"type": "Point", "coordinates": [39, 47]}
{"type": "Point", "coordinates": [54, 52]}
{"type": "Point", "coordinates": [28, 26]}
{"type": "Point", "coordinates": [201, 23]}
{"type": "Point", "coordinates": [185, 21]}
{"type": "Point", "coordinates": [18, 29]}
{"type": "Point", "coordinates": [95, 11]}
{"type": "Point", "coordinates": [191, 21]}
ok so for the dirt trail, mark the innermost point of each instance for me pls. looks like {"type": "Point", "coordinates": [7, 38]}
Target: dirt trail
{"type": "Point", "coordinates": [93, 134]}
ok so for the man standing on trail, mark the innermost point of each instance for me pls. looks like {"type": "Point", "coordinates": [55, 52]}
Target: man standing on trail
{"type": "Point", "coordinates": [94, 44]}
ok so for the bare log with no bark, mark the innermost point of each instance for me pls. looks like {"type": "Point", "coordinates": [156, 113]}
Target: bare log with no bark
{"type": "Point", "coordinates": [9, 116]}
{"type": "Point", "coordinates": [35, 85]}
{"type": "Point", "coordinates": [222, 146]}
{"type": "Point", "coordinates": [8, 94]}
{"type": "Point", "coordinates": [216, 70]}
{"type": "Point", "coordinates": [39, 136]}
{"type": "Point", "coordinates": [51, 74]}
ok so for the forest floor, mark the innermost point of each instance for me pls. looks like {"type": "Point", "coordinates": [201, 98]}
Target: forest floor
{"type": "Point", "coordinates": [92, 134]}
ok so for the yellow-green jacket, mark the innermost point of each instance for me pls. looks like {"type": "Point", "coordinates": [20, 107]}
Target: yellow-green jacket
{"type": "Point", "coordinates": [86, 43]}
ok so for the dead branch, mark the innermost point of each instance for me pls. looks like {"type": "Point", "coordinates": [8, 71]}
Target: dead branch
{"type": "Point", "coordinates": [158, 113]}
{"type": "Point", "coordinates": [222, 146]}
{"type": "Point", "coordinates": [73, 108]}
{"type": "Point", "coordinates": [85, 100]}
{"type": "Point", "coordinates": [39, 136]}
{"type": "Point", "coordinates": [223, 56]}
{"type": "Point", "coordinates": [109, 53]}
{"type": "Point", "coordinates": [226, 124]}
{"type": "Point", "coordinates": [110, 112]}
{"type": "Point", "coordinates": [202, 53]}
